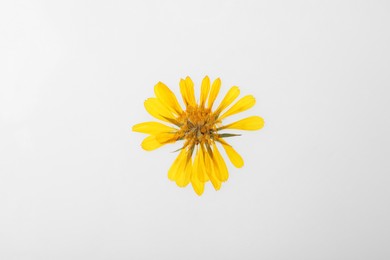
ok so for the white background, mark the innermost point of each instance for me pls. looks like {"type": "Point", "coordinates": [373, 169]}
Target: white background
{"type": "Point", "coordinates": [75, 183]}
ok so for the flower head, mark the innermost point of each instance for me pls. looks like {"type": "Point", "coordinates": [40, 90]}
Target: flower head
{"type": "Point", "coordinates": [200, 127]}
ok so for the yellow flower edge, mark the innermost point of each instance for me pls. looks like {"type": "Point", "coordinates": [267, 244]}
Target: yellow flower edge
{"type": "Point", "coordinates": [199, 126]}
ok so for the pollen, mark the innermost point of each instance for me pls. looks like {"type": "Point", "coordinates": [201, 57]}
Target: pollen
{"type": "Point", "coordinates": [197, 126]}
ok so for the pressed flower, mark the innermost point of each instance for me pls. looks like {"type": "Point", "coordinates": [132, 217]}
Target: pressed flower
{"type": "Point", "coordinates": [200, 127]}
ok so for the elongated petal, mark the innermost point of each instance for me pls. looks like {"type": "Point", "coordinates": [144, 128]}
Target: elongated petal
{"type": "Point", "coordinates": [184, 176]}
{"type": "Point", "coordinates": [191, 91]}
{"type": "Point", "coordinates": [210, 169]}
{"type": "Point", "coordinates": [234, 157]}
{"type": "Point", "coordinates": [167, 98]}
{"type": "Point", "coordinates": [150, 143]}
{"type": "Point", "coordinates": [153, 128]}
{"type": "Point", "coordinates": [241, 105]}
{"type": "Point", "coordinates": [196, 162]}
{"type": "Point", "coordinates": [201, 168]}
{"type": "Point", "coordinates": [183, 91]}
{"type": "Point", "coordinates": [249, 123]}
{"type": "Point", "coordinates": [219, 162]}
{"type": "Point", "coordinates": [197, 185]}
{"type": "Point", "coordinates": [159, 111]}
{"type": "Point", "coordinates": [172, 173]}
{"type": "Point", "coordinates": [214, 92]}
{"type": "Point", "coordinates": [181, 167]}
{"type": "Point", "coordinates": [165, 138]}
{"type": "Point", "coordinates": [187, 91]}
{"type": "Point", "coordinates": [228, 99]}
{"type": "Point", "coordinates": [204, 91]}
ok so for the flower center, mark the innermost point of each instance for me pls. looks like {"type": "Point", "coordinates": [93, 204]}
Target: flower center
{"type": "Point", "coordinates": [198, 125]}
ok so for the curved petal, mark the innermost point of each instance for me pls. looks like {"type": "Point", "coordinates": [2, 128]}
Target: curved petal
{"type": "Point", "coordinates": [187, 91]}
{"type": "Point", "coordinates": [153, 128]}
{"type": "Point", "coordinates": [197, 166]}
{"type": "Point", "coordinates": [191, 91]}
{"type": "Point", "coordinates": [184, 173]}
{"type": "Point", "coordinates": [201, 167]}
{"type": "Point", "coordinates": [249, 123]}
{"type": "Point", "coordinates": [165, 138]}
{"type": "Point", "coordinates": [222, 173]}
{"type": "Point", "coordinates": [159, 111]}
{"type": "Point", "coordinates": [241, 105]}
{"type": "Point", "coordinates": [214, 92]}
{"type": "Point", "coordinates": [196, 162]}
{"type": "Point", "coordinates": [167, 98]}
{"type": "Point", "coordinates": [197, 185]}
{"type": "Point", "coordinates": [172, 172]}
{"type": "Point", "coordinates": [228, 99]}
{"type": "Point", "coordinates": [234, 157]}
{"type": "Point", "coordinates": [211, 172]}
{"type": "Point", "coordinates": [204, 91]}
{"type": "Point", "coordinates": [150, 143]}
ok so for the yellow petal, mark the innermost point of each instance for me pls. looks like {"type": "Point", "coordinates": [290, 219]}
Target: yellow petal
{"type": "Point", "coordinates": [150, 143]}
{"type": "Point", "coordinates": [201, 168]}
{"type": "Point", "coordinates": [165, 138]}
{"type": "Point", "coordinates": [210, 169]}
{"type": "Point", "coordinates": [228, 99]}
{"type": "Point", "coordinates": [191, 91]}
{"type": "Point", "coordinates": [219, 162]}
{"type": "Point", "coordinates": [153, 128]}
{"type": "Point", "coordinates": [187, 91]}
{"type": "Point", "coordinates": [214, 92]}
{"type": "Point", "coordinates": [184, 173]}
{"type": "Point", "coordinates": [172, 173]}
{"type": "Point", "coordinates": [167, 98]}
{"type": "Point", "coordinates": [234, 157]}
{"type": "Point", "coordinates": [216, 183]}
{"type": "Point", "coordinates": [197, 185]}
{"type": "Point", "coordinates": [181, 167]}
{"type": "Point", "coordinates": [204, 91]}
{"type": "Point", "coordinates": [159, 111]}
{"type": "Point", "coordinates": [195, 168]}
{"type": "Point", "coordinates": [249, 123]}
{"type": "Point", "coordinates": [241, 105]}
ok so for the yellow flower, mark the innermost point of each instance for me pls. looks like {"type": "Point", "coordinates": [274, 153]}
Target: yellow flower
{"type": "Point", "coordinates": [199, 126]}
